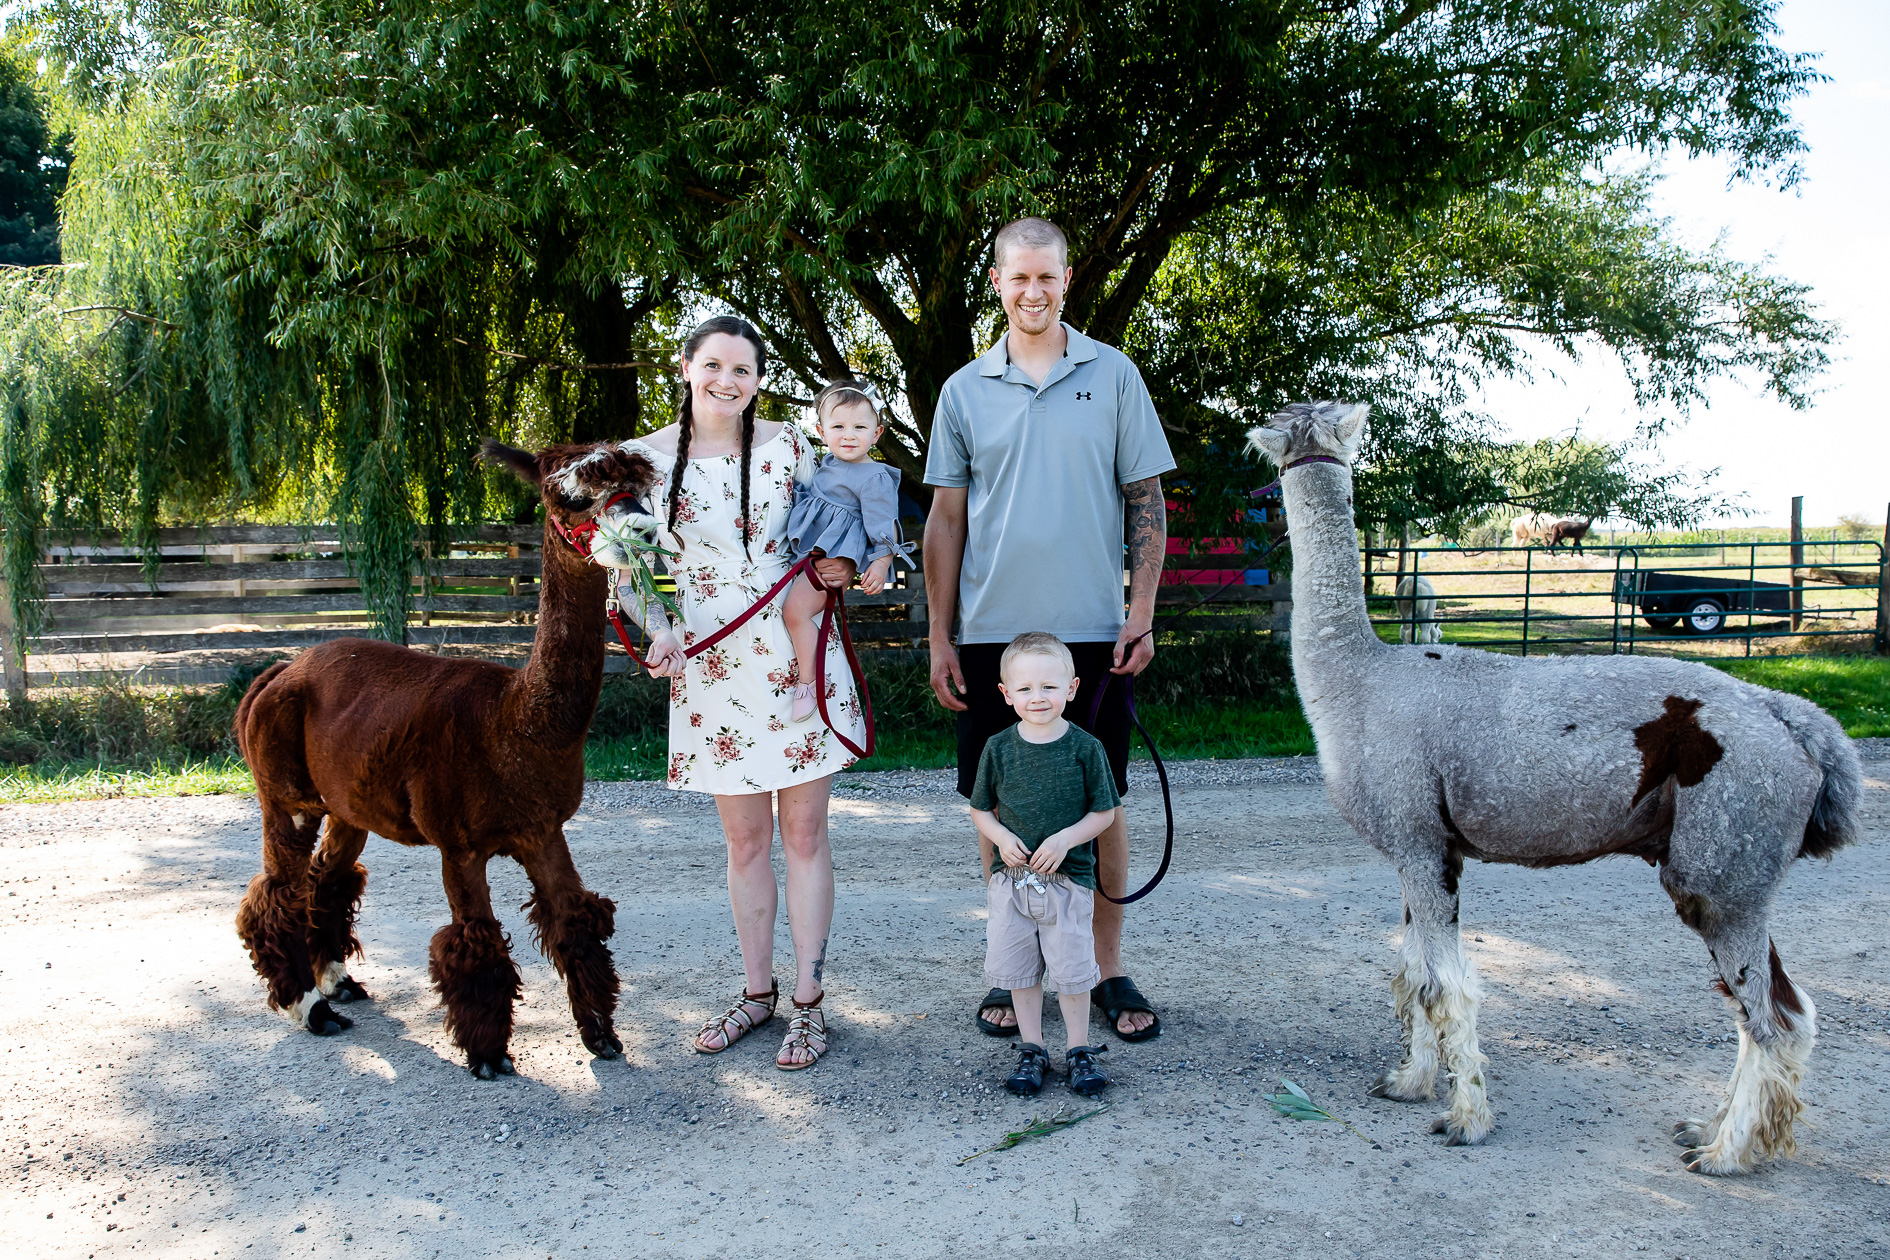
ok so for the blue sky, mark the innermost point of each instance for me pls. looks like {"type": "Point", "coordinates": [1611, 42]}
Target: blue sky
{"type": "Point", "coordinates": [1831, 232]}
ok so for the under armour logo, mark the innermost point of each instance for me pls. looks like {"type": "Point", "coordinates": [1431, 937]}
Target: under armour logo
{"type": "Point", "coordinates": [1083, 395]}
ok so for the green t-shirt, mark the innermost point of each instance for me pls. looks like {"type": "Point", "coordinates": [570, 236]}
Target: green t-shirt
{"type": "Point", "coordinates": [1037, 790]}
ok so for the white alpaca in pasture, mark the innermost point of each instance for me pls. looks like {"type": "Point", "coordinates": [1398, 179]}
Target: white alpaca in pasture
{"type": "Point", "coordinates": [1532, 528]}
{"type": "Point", "coordinates": [1435, 754]}
{"type": "Point", "coordinates": [1424, 624]}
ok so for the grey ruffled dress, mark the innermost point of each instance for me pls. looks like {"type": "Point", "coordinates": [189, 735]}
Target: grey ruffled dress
{"type": "Point", "coordinates": [848, 511]}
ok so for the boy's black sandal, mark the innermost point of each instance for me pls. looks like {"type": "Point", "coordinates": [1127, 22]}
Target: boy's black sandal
{"type": "Point", "coordinates": [1085, 1077]}
{"type": "Point", "coordinates": [1027, 1080]}
{"type": "Point", "coordinates": [996, 997]}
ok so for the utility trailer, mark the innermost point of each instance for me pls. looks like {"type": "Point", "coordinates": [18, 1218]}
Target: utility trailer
{"type": "Point", "coordinates": [1696, 602]}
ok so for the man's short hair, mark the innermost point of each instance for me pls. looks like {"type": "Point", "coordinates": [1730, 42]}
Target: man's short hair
{"type": "Point", "coordinates": [1031, 233]}
{"type": "Point", "coordinates": [1036, 643]}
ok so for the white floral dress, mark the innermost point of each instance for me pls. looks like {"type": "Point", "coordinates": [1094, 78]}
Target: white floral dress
{"type": "Point", "coordinates": [729, 731]}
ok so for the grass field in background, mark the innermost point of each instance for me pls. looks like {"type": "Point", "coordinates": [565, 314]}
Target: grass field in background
{"type": "Point", "coordinates": [85, 781]}
{"type": "Point", "coordinates": [110, 742]}
{"type": "Point", "coordinates": [1853, 689]}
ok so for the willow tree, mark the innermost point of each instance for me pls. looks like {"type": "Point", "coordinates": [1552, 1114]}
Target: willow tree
{"type": "Point", "coordinates": [34, 158]}
{"type": "Point", "coordinates": [355, 233]}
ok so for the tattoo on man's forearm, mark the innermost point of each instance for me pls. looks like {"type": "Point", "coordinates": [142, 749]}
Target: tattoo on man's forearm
{"type": "Point", "coordinates": [1147, 527]}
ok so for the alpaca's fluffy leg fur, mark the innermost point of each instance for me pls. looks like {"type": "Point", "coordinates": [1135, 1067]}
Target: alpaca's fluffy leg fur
{"type": "Point", "coordinates": [1778, 1025]}
{"type": "Point", "coordinates": [1413, 1080]}
{"type": "Point", "coordinates": [1437, 996]}
{"type": "Point", "coordinates": [1454, 1012]}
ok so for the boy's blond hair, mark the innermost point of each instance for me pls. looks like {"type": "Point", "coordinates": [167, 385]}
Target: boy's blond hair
{"type": "Point", "coordinates": [1036, 643]}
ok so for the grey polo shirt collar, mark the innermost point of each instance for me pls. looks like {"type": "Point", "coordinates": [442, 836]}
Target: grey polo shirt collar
{"type": "Point", "coordinates": [997, 360]}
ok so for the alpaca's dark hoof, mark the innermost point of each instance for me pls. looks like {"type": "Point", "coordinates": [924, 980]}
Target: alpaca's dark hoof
{"type": "Point", "coordinates": [602, 1042]}
{"type": "Point", "coordinates": [325, 1021]}
{"type": "Point", "coordinates": [489, 1069]}
{"type": "Point", "coordinates": [1690, 1133]}
{"type": "Point", "coordinates": [349, 990]}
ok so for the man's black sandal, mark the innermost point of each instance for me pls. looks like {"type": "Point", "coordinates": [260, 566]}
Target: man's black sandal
{"type": "Point", "coordinates": [1027, 1080]}
{"type": "Point", "coordinates": [996, 997]}
{"type": "Point", "coordinates": [1085, 1077]}
{"type": "Point", "coordinates": [1118, 996]}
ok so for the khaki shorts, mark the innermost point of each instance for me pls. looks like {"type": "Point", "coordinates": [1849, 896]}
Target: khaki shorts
{"type": "Point", "coordinates": [1040, 934]}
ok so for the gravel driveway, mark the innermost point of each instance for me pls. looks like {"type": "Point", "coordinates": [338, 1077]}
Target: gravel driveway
{"type": "Point", "coordinates": [153, 1106]}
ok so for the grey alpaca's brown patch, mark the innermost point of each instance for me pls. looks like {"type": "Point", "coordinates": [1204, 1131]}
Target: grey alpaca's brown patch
{"type": "Point", "coordinates": [1675, 746]}
{"type": "Point", "coordinates": [1785, 1003]}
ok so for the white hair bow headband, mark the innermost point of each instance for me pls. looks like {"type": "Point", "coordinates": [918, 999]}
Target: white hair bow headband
{"type": "Point", "coordinates": [870, 392]}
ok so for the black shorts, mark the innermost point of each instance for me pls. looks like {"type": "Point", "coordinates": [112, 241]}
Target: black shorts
{"type": "Point", "coordinates": [989, 715]}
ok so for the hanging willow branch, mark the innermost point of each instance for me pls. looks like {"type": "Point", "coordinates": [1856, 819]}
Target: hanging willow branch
{"type": "Point", "coordinates": [126, 313]}
{"type": "Point", "coordinates": [565, 366]}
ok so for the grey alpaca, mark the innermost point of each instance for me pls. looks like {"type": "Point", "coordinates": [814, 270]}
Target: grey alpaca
{"type": "Point", "coordinates": [1439, 753]}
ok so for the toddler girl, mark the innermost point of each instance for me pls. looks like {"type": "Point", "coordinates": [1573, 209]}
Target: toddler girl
{"type": "Point", "coordinates": [850, 509]}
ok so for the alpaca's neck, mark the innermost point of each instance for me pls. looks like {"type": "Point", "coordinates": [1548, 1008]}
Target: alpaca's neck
{"type": "Point", "coordinates": [1330, 628]}
{"type": "Point", "coordinates": [557, 690]}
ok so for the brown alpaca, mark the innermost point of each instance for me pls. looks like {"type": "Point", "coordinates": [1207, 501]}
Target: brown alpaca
{"type": "Point", "coordinates": [472, 758]}
{"type": "Point", "coordinates": [1568, 529]}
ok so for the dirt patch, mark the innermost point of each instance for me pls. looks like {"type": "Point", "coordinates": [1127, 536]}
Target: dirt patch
{"type": "Point", "coordinates": [155, 1107]}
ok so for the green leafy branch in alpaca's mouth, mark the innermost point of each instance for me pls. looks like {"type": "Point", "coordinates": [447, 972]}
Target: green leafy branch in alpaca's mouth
{"type": "Point", "coordinates": [637, 544]}
{"type": "Point", "coordinates": [1296, 1104]}
{"type": "Point", "coordinates": [1036, 1128]}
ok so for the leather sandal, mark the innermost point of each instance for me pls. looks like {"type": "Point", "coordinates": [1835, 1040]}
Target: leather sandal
{"type": "Point", "coordinates": [996, 997]}
{"type": "Point", "coordinates": [806, 1031]}
{"type": "Point", "coordinates": [1027, 1080]}
{"type": "Point", "coordinates": [1085, 1077]}
{"type": "Point", "coordinates": [738, 1021]}
{"type": "Point", "coordinates": [1118, 996]}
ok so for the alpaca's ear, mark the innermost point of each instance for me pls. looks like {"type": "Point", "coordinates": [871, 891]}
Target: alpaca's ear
{"type": "Point", "coordinates": [523, 463]}
{"type": "Point", "coordinates": [1350, 429]}
{"type": "Point", "coordinates": [1269, 442]}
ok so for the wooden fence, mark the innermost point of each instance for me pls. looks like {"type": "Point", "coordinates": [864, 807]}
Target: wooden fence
{"type": "Point", "coordinates": [227, 595]}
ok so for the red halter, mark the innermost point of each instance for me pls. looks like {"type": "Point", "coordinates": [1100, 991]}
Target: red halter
{"type": "Point", "coordinates": [579, 536]}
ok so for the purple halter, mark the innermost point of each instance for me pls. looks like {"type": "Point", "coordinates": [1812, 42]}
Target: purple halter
{"type": "Point", "coordinates": [1312, 459]}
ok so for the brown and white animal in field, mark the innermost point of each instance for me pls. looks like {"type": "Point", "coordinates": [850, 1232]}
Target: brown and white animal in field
{"type": "Point", "coordinates": [1435, 754]}
{"type": "Point", "coordinates": [1533, 528]}
{"type": "Point", "coordinates": [1417, 620]}
{"type": "Point", "coordinates": [475, 759]}
{"type": "Point", "coordinates": [1569, 529]}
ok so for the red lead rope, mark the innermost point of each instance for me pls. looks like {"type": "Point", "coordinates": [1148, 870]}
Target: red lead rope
{"type": "Point", "coordinates": [836, 605]}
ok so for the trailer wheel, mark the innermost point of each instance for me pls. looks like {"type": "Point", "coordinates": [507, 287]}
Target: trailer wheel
{"type": "Point", "coordinates": [1663, 623]}
{"type": "Point", "coordinates": [1706, 616]}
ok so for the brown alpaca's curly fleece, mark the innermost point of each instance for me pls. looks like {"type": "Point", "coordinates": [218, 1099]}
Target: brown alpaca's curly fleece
{"type": "Point", "coordinates": [472, 758]}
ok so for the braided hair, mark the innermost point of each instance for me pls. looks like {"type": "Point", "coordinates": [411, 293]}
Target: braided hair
{"type": "Point", "coordinates": [728, 325]}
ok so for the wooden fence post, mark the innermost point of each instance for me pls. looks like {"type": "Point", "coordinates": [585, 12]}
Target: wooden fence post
{"type": "Point", "coordinates": [1798, 562]}
{"type": "Point", "coordinates": [1883, 592]}
{"type": "Point", "coordinates": [13, 663]}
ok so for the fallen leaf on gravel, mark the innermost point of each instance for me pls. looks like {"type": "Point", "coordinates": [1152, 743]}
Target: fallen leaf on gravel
{"type": "Point", "coordinates": [1036, 1128]}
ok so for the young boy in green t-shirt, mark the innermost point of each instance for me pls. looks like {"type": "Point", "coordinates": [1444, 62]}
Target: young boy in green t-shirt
{"type": "Point", "coordinates": [1044, 792]}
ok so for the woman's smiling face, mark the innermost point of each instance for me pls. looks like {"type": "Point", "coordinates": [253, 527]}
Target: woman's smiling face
{"type": "Point", "coordinates": [722, 377]}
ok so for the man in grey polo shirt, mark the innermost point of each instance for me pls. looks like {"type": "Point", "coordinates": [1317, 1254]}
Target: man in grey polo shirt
{"type": "Point", "coordinates": [1038, 448]}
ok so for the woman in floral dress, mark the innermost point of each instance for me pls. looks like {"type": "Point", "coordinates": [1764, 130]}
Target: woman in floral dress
{"type": "Point", "coordinates": [728, 483]}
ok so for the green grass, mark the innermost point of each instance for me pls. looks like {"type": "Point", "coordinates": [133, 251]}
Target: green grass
{"type": "Point", "coordinates": [1853, 689]}
{"type": "Point", "coordinates": [1225, 732]}
{"type": "Point", "coordinates": [83, 781]}
{"type": "Point", "coordinates": [1208, 695]}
